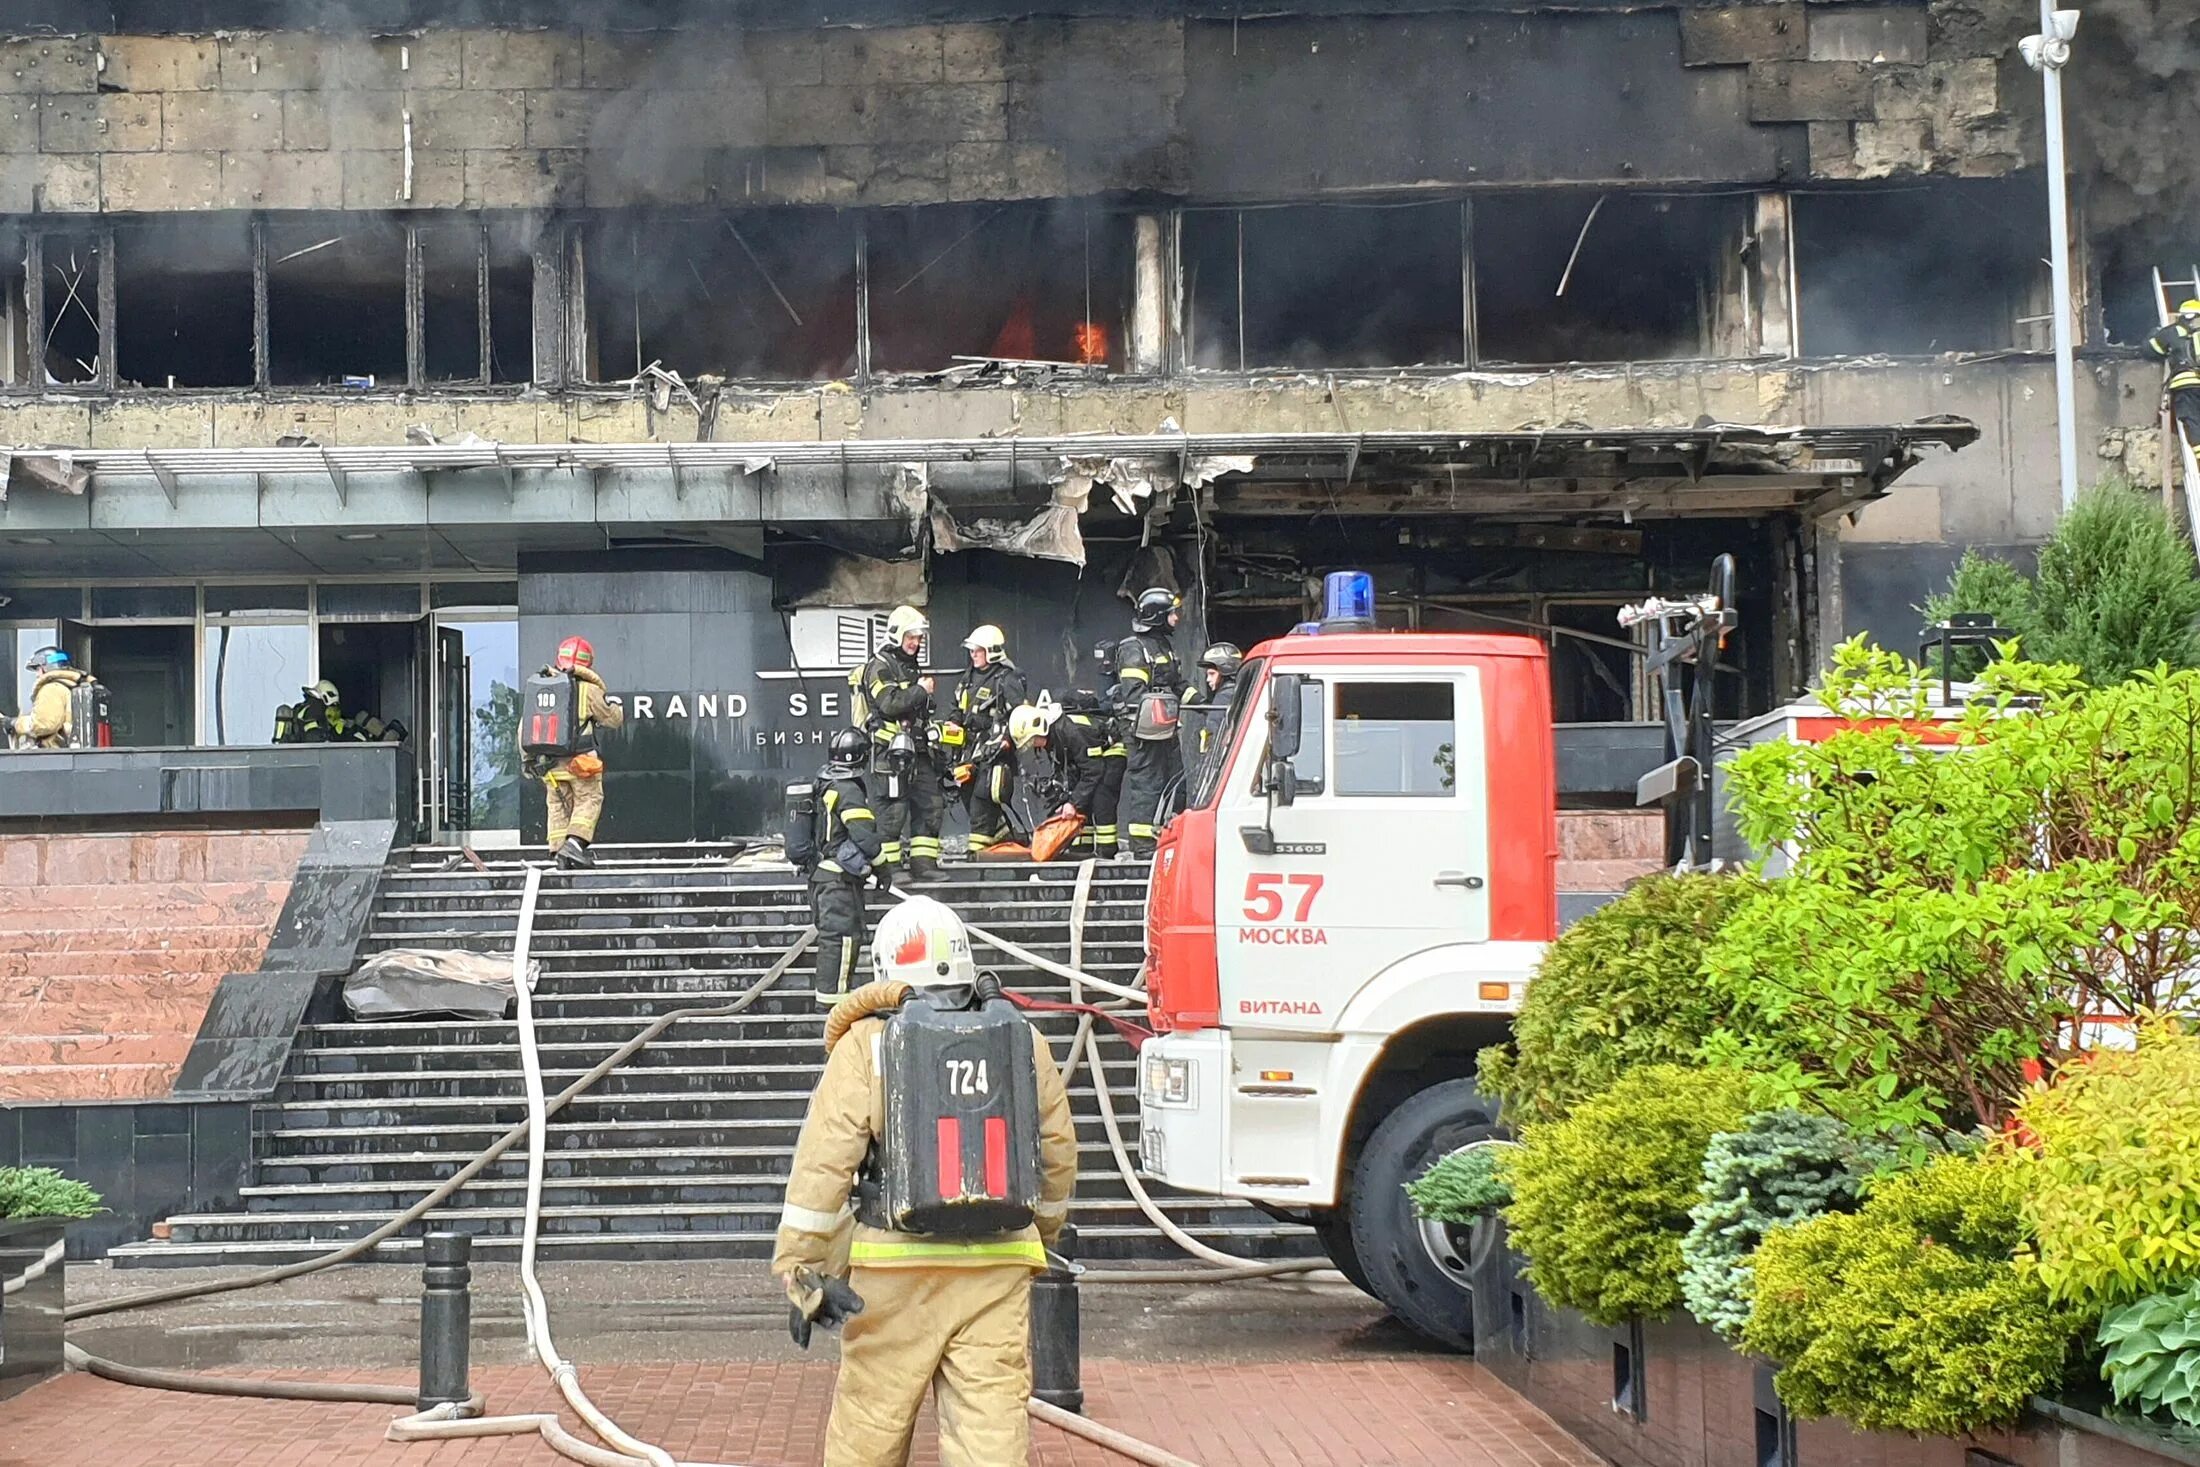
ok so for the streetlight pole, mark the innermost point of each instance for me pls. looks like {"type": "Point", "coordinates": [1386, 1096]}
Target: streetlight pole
{"type": "Point", "coordinates": [2047, 53]}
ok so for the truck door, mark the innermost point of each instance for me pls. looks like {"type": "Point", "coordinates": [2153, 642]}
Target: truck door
{"type": "Point", "coordinates": [1381, 853]}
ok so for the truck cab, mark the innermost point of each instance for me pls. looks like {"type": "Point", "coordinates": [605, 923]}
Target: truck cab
{"type": "Point", "coordinates": [1347, 910]}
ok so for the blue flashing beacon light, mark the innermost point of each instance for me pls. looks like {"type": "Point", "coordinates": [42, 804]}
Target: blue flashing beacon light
{"type": "Point", "coordinates": [1348, 601]}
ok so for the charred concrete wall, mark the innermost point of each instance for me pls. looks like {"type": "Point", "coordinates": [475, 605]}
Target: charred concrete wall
{"type": "Point", "coordinates": [1214, 109]}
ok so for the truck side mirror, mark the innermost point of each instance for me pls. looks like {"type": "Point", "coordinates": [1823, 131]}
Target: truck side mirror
{"type": "Point", "coordinates": [1283, 736]}
{"type": "Point", "coordinates": [1283, 715]}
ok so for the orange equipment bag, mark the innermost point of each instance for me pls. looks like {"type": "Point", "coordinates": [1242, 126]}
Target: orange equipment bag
{"type": "Point", "coordinates": [1003, 850]}
{"type": "Point", "coordinates": [1053, 834]}
{"type": "Point", "coordinates": [585, 766]}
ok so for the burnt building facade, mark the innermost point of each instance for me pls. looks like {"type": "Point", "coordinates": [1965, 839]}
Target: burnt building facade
{"type": "Point", "coordinates": [387, 343]}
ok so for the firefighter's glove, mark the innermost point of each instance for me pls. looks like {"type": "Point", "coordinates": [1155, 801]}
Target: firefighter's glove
{"type": "Point", "coordinates": [883, 875]}
{"type": "Point", "coordinates": [964, 773]}
{"type": "Point", "coordinates": [815, 1300]}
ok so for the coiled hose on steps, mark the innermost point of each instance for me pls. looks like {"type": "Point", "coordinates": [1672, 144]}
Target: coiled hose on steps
{"type": "Point", "coordinates": [622, 1449]}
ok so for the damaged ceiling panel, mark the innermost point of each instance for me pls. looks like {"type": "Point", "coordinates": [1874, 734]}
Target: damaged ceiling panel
{"type": "Point", "coordinates": [892, 499]}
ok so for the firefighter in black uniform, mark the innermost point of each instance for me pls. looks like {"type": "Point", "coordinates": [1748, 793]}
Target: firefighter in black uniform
{"type": "Point", "coordinates": [2178, 345]}
{"type": "Point", "coordinates": [1071, 744]}
{"type": "Point", "coordinates": [988, 692]}
{"type": "Point", "coordinates": [844, 820]}
{"type": "Point", "coordinates": [891, 698]}
{"type": "Point", "coordinates": [1218, 670]}
{"type": "Point", "coordinates": [1148, 682]}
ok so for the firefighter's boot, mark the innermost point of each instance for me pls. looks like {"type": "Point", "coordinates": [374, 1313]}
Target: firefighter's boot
{"type": "Point", "coordinates": [574, 855]}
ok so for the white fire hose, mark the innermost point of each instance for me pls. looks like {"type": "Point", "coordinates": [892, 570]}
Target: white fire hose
{"type": "Point", "coordinates": [624, 1450]}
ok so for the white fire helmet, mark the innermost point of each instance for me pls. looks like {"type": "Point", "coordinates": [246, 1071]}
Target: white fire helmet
{"type": "Point", "coordinates": [923, 943]}
{"type": "Point", "coordinates": [906, 621]}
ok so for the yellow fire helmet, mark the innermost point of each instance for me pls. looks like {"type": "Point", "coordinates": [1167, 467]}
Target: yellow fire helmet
{"type": "Point", "coordinates": [923, 943]}
{"type": "Point", "coordinates": [2189, 308]}
{"type": "Point", "coordinates": [1029, 723]}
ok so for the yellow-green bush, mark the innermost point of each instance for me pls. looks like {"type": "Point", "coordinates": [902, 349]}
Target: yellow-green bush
{"type": "Point", "coordinates": [1912, 1314]}
{"type": "Point", "coordinates": [1620, 988]}
{"type": "Point", "coordinates": [1601, 1198]}
{"type": "Point", "coordinates": [2115, 1207]}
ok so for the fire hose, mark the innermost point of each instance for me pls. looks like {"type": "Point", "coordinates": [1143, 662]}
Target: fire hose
{"type": "Point", "coordinates": [465, 1420]}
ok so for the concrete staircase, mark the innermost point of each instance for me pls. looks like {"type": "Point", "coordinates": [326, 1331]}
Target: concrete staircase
{"type": "Point", "coordinates": [682, 1152]}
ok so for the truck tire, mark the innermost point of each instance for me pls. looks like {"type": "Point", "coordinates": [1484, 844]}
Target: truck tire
{"type": "Point", "coordinates": [1409, 1268]}
{"type": "Point", "coordinates": [1334, 1229]}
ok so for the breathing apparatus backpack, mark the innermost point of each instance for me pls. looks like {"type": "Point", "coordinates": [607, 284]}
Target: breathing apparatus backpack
{"type": "Point", "coordinates": [550, 715]}
{"type": "Point", "coordinates": [959, 1156]}
{"type": "Point", "coordinates": [91, 721]}
{"type": "Point", "coordinates": [802, 825]}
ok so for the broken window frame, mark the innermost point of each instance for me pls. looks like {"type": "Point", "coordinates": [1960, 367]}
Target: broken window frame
{"type": "Point", "coordinates": [416, 298]}
{"type": "Point", "coordinates": [40, 308]}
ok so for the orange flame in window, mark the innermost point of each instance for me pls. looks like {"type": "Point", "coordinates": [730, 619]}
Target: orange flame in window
{"type": "Point", "coordinates": [1092, 343]}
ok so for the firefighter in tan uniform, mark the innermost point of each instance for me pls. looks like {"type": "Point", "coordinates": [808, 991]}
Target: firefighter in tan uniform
{"type": "Point", "coordinates": [572, 788]}
{"type": "Point", "coordinates": [939, 1312]}
{"type": "Point", "coordinates": [46, 725]}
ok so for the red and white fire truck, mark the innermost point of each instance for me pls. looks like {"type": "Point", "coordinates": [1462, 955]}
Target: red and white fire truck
{"type": "Point", "coordinates": [1344, 914]}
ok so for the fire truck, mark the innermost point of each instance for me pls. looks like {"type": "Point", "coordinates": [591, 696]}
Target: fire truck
{"type": "Point", "coordinates": [1345, 912]}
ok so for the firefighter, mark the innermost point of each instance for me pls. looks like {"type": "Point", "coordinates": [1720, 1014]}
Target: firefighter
{"type": "Point", "coordinates": [572, 787]}
{"type": "Point", "coordinates": [319, 717]}
{"type": "Point", "coordinates": [983, 700]}
{"type": "Point", "coordinates": [891, 698]}
{"type": "Point", "coordinates": [949, 1314]}
{"type": "Point", "coordinates": [1218, 670]}
{"type": "Point", "coordinates": [1148, 681]}
{"type": "Point", "coordinates": [2178, 345]}
{"type": "Point", "coordinates": [1086, 777]}
{"type": "Point", "coordinates": [847, 846]}
{"type": "Point", "coordinates": [46, 725]}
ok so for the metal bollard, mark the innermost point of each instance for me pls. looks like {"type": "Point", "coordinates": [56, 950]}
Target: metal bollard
{"type": "Point", "coordinates": [1056, 1354]}
{"type": "Point", "coordinates": [446, 1319]}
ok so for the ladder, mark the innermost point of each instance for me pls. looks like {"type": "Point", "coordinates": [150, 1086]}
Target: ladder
{"type": "Point", "coordinates": [2167, 293]}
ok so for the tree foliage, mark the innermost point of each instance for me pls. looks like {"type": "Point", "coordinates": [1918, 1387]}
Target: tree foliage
{"type": "Point", "coordinates": [1601, 1198]}
{"type": "Point", "coordinates": [1621, 988]}
{"type": "Point", "coordinates": [1782, 1166]}
{"type": "Point", "coordinates": [2115, 1207]}
{"type": "Point", "coordinates": [1948, 909]}
{"type": "Point", "coordinates": [2115, 591]}
{"type": "Point", "coordinates": [1910, 1314]}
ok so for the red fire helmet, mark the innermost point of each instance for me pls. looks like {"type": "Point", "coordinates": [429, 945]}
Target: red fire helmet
{"type": "Point", "coordinates": [575, 652]}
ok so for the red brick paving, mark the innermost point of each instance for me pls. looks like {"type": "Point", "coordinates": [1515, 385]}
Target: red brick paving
{"type": "Point", "coordinates": [1376, 1413]}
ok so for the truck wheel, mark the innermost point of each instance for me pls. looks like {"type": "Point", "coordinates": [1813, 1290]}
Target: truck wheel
{"type": "Point", "coordinates": [1334, 1229]}
{"type": "Point", "coordinates": [1419, 1270]}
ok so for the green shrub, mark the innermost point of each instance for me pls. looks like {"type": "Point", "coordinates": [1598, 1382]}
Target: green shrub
{"type": "Point", "coordinates": [2153, 1358]}
{"type": "Point", "coordinates": [2115, 591]}
{"type": "Point", "coordinates": [2115, 1208]}
{"type": "Point", "coordinates": [37, 1191]}
{"type": "Point", "coordinates": [1911, 1314]}
{"type": "Point", "coordinates": [1601, 1198]}
{"type": "Point", "coordinates": [1619, 989]}
{"type": "Point", "coordinates": [1463, 1185]}
{"type": "Point", "coordinates": [1984, 584]}
{"type": "Point", "coordinates": [1781, 1167]}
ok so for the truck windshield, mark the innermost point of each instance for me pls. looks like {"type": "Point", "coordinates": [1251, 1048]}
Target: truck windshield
{"type": "Point", "coordinates": [1206, 778]}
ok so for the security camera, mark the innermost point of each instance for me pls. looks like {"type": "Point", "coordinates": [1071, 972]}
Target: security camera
{"type": "Point", "coordinates": [2063, 26]}
{"type": "Point", "coordinates": [2033, 50]}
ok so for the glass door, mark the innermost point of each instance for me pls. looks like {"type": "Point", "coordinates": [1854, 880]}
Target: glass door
{"type": "Point", "coordinates": [474, 784]}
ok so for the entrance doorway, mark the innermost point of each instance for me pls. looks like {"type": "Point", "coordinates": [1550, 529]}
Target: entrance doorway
{"type": "Point", "coordinates": [474, 742]}
{"type": "Point", "coordinates": [147, 670]}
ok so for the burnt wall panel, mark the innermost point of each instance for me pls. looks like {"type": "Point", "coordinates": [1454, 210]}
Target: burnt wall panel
{"type": "Point", "coordinates": [1286, 107]}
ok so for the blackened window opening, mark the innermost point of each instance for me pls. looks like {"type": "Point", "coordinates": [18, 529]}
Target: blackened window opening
{"type": "Point", "coordinates": [336, 305]}
{"type": "Point", "coordinates": [451, 300]}
{"type": "Point", "coordinates": [511, 300]}
{"type": "Point", "coordinates": [1324, 285]}
{"type": "Point", "coordinates": [768, 295]}
{"type": "Point", "coordinates": [1592, 680]}
{"type": "Point", "coordinates": [1029, 282]}
{"type": "Point", "coordinates": [71, 265]}
{"type": "Point", "coordinates": [183, 301]}
{"type": "Point", "coordinates": [1951, 265]}
{"type": "Point", "coordinates": [1573, 276]}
